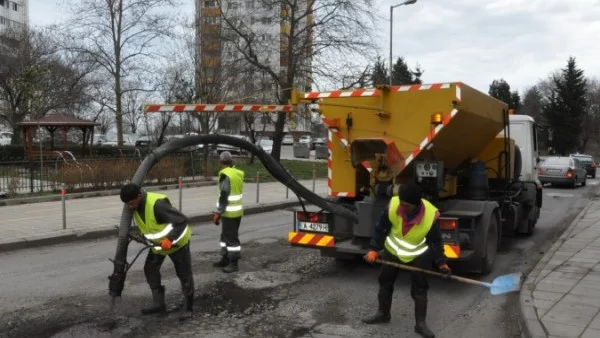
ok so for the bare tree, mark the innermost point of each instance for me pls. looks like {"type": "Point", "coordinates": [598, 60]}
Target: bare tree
{"type": "Point", "coordinates": [35, 79]}
{"type": "Point", "coordinates": [311, 31]}
{"type": "Point", "coordinates": [119, 35]}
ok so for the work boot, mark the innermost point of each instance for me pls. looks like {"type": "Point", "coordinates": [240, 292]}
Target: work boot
{"type": "Point", "coordinates": [377, 318]}
{"type": "Point", "coordinates": [158, 302]}
{"type": "Point", "coordinates": [420, 314]}
{"type": "Point", "coordinates": [232, 267]}
{"type": "Point", "coordinates": [222, 263]}
{"type": "Point", "coordinates": [188, 311]}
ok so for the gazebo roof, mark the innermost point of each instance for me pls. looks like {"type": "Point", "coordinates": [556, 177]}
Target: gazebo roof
{"type": "Point", "coordinates": [58, 120]}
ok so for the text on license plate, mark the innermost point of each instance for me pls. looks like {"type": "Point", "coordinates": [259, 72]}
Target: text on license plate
{"type": "Point", "coordinates": [310, 226]}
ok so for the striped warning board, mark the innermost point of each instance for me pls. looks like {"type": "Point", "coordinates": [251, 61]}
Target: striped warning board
{"type": "Point", "coordinates": [451, 250]}
{"type": "Point", "coordinates": [306, 238]}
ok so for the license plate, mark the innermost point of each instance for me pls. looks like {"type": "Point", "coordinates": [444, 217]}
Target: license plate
{"type": "Point", "coordinates": [554, 170]}
{"type": "Point", "coordinates": [311, 226]}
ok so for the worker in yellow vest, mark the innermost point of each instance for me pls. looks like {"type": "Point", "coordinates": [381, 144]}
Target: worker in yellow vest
{"type": "Point", "coordinates": [160, 223]}
{"type": "Point", "coordinates": [409, 233]}
{"type": "Point", "coordinates": [230, 210]}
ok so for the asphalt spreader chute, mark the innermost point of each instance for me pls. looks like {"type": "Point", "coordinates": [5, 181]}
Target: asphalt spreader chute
{"type": "Point", "coordinates": [117, 279]}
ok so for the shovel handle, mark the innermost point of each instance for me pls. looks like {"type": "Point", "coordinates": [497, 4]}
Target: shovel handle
{"type": "Point", "coordinates": [413, 268]}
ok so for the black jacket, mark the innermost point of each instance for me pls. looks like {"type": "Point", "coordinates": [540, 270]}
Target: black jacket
{"type": "Point", "coordinates": [433, 239]}
{"type": "Point", "coordinates": [164, 212]}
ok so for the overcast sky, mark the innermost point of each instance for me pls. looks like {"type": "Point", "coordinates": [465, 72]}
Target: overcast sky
{"type": "Point", "coordinates": [473, 41]}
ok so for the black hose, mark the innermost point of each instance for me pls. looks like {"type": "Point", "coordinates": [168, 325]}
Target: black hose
{"type": "Point", "coordinates": [117, 279]}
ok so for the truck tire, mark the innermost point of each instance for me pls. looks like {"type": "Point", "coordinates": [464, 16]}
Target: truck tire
{"type": "Point", "coordinates": [491, 246]}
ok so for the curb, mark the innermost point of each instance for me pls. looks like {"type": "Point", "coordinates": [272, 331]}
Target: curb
{"type": "Point", "coordinates": [531, 326]}
{"type": "Point", "coordinates": [100, 193]}
{"type": "Point", "coordinates": [69, 236]}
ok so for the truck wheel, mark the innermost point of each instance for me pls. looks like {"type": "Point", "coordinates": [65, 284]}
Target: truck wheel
{"type": "Point", "coordinates": [491, 247]}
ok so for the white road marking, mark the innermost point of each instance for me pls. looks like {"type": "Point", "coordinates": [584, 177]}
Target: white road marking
{"type": "Point", "coordinates": [593, 182]}
{"type": "Point", "coordinates": [557, 194]}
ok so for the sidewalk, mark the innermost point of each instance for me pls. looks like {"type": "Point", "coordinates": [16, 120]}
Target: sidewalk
{"type": "Point", "coordinates": [561, 296]}
{"type": "Point", "coordinates": [38, 224]}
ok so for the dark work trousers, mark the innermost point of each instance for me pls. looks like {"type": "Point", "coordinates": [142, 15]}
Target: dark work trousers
{"type": "Point", "coordinates": [387, 278]}
{"type": "Point", "coordinates": [182, 260]}
{"type": "Point", "coordinates": [230, 242]}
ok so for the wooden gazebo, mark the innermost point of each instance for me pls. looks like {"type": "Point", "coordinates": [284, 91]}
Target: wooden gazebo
{"type": "Point", "coordinates": [52, 123]}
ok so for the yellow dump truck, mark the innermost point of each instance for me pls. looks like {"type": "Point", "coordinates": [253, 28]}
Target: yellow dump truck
{"type": "Point", "coordinates": [475, 160]}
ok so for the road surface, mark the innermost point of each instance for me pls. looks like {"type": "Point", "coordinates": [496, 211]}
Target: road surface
{"type": "Point", "coordinates": [280, 291]}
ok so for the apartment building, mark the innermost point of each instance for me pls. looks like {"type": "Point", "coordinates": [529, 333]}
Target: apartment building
{"type": "Point", "coordinates": [224, 75]}
{"type": "Point", "coordinates": [14, 15]}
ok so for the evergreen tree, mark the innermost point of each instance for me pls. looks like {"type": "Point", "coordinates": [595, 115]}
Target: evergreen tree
{"type": "Point", "coordinates": [380, 73]}
{"type": "Point", "coordinates": [402, 75]}
{"type": "Point", "coordinates": [566, 108]}
{"type": "Point", "coordinates": [500, 90]}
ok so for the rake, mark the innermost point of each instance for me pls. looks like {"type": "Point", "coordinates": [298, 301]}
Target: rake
{"type": "Point", "coordinates": [500, 285]}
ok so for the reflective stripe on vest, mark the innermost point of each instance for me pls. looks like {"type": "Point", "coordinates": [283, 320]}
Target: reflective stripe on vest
{"type": "Point", "coordinates": [407, 247]}
{"type": "Point", "coordinates": [233, 198]}
{"type": "Point", "coordinates": [154, 231]}
{"type": "Point", "coordinates": [234, 206]}
{"type": "Point", "coordinates": [181, 237]}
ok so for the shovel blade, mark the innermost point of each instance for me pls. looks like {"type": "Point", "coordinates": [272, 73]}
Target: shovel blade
{"type": "Point", "coordinates": [506, 283]}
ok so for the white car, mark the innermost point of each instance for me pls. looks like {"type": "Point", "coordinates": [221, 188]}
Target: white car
{"type": "Point", "coordinates": [305, 139]}
{"type": "Point", "coordinates": [5, 138]}
{"type": "Point", "coordinates": [128, 140]}
{"type": "Point", "coordinates": [287, 139]}
{"type": "Point", "coordinates": [266, 144]}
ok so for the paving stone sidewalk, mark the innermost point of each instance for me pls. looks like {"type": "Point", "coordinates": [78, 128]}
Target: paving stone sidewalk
{"type": "Point", "coordinates": [37, 224]}
{"type": "Point", "coordinates": [561, 296]}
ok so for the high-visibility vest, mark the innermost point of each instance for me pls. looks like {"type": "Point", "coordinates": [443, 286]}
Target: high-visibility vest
{"type": "Point", "coordinates": [408, 247]}
{"type": "Point", "coordinates": [235, 206]}
{"type": "Point", "coordinates": [156, 232]}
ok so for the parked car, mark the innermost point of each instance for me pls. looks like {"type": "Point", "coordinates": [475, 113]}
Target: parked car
{"type": "Point", "coordinates": [588, 162]}
{"type": "Point", "coordinates": [266, 144]}
{"type": "Point", "coordinates": [5, 138]}
{"type": "Point", "coordinates": [319, 141]}
{"type": "Point", "coordinates": [233, 150]}
{"type": "Point", "coordinates": [145, 142]}
{"type": "Point", "coordinates": [128, 140]}
{"type": "Point", "coordinates": [287, 140]}
{"type": "Point", "coordinates": [562, 170]}
{"type": "Point", "coordinates": [305, 139]}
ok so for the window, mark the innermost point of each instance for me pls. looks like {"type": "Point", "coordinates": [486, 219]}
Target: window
{"type": "Point", "coordinates": [210, 4]}
{"type": "Point", "coordinates": [535, 139]}
{"type": "Point", "coordinates": [210, 19]}
{"type": "Point", "coordinates": [2, 20]}
{"type": "Point", "coordinates": [15, 6]}
{"type": "Point", "coordinates": [1, 3]}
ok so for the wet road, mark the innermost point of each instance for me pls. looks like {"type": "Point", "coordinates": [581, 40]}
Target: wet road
{"type": "Point", "coordinates": [280, 291]}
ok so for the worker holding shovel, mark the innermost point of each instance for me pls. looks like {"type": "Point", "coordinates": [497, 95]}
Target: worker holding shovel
{"type": "Point", "coordinates": [409, 233]}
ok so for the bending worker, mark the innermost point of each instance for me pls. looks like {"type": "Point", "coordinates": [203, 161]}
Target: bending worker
{"type": "Point", "coordinates": [168, 228]}
{"type": "Point", "coordinates": [230, 210]}
{"type": "Point", "coordinates": [410, 229]}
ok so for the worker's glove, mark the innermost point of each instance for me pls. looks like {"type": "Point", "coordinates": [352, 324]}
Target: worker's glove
{"type": "Point", "coordinates": [166, 244]}
{"type": "Point", "coordinates": [371, 256]}
{"type": "Point", "coordinates": [216, 218]}
{"type": "Point", "coordinates": [445, 269]}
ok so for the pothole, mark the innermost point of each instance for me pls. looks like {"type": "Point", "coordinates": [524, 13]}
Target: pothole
{"type": "Point", "coordinates": [265, 279]}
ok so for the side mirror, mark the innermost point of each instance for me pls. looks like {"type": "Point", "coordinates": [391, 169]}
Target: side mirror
{"type": "Point", "coordinates": [537, 160]}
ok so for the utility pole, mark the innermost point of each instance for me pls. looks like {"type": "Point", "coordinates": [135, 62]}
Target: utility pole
{"type": "Point", "coordinates": [405, 3]}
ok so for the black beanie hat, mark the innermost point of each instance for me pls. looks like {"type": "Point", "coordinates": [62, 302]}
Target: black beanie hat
{"type": "Point", "coordinates": [130, 192]}
{"type": "Point", "coordinates": [410, 193]}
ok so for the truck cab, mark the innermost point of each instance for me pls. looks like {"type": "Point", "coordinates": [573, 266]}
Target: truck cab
{"type": "Point", "coordinates": [523, 130]}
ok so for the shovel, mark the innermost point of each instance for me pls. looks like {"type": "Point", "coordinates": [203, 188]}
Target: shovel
{"type": "Point", "coordinates": [500, 285]}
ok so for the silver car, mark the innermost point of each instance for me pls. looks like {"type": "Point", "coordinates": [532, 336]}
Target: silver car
{"type": "Point", "coordinates": [562, 170]}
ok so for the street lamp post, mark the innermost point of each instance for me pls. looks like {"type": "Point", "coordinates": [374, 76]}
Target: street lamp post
{"type": "Point", "coordinates": [407, 2]}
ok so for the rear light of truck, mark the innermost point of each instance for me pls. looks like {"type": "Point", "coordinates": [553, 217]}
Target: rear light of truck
{"type": "Point", "coordinates": [570, 173]}
{"type": "Point", "coordinates": [593, 164]}
{"type": "Point", "coordinates": [311, 217]}
{"type": "Point", "coordinates": [448, 223]}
